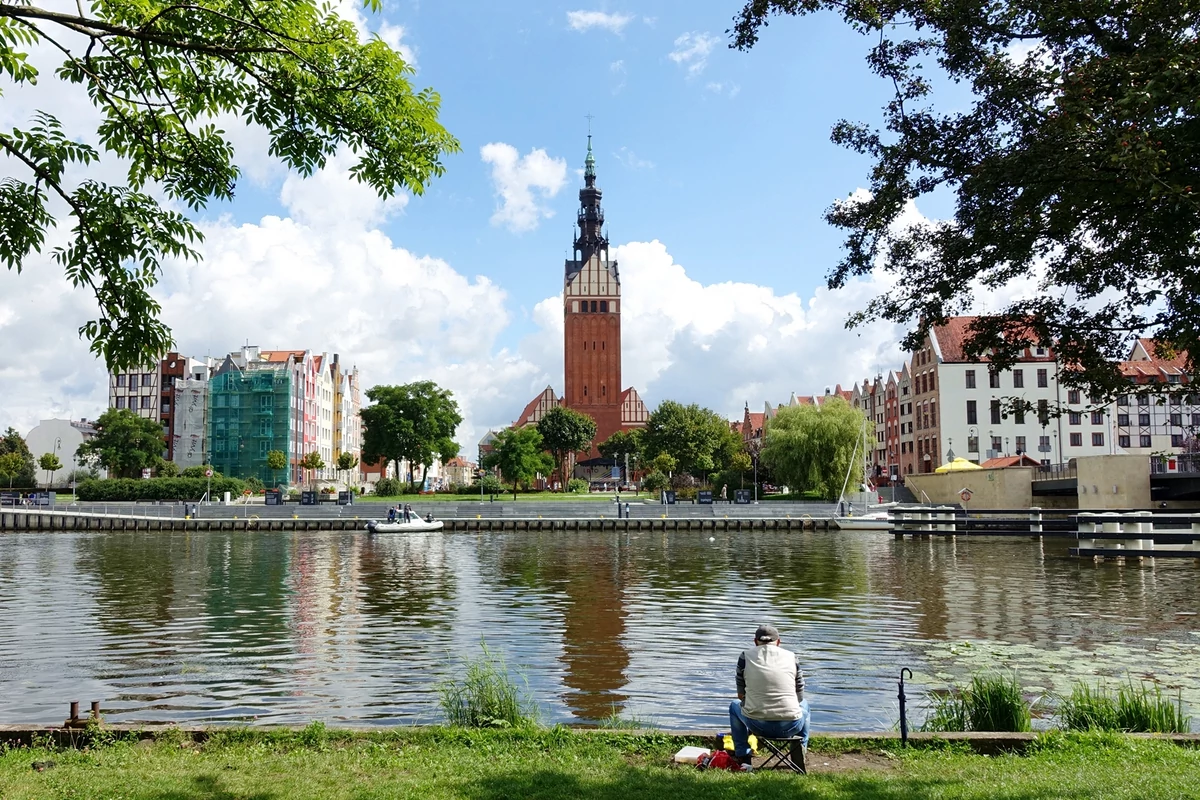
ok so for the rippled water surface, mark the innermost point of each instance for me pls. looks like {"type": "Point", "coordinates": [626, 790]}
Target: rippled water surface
{"type": "Point", "coordinates": [288, 628]}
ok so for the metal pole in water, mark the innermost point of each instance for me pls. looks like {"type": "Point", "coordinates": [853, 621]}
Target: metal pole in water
{"type": "Point", "coordinates": [903, 700]}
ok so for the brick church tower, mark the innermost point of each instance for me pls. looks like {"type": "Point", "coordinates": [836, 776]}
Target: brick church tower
{"type": "Point", "coordinates": [591, 329]}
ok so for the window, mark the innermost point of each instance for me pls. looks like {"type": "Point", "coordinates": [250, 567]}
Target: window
{"type": "Point", "coordinates": [593, 306]}
{"type": "Point", "coordinates": [120, 380]}
{"type": "Point", "coordinates": [603, 306]}
{"type": "Point", "coordinates": [1143, 419]}
{"type": "Point", "coordinates": [1144, 441]}
{"type": "Point", "coordinates": [1072, 395]}
{"type": "Point", "coordinates": [932, 379]}
{"type": "Point", "coordinates": [972, 413]}
{"type": "Point", "coordinates": [1097, 417]}
{"type": "Point", "coordinates": [1018, 379]}
{"type": "Point", "coordinates": [1123, 441]}
{"type": "Point", "coordinates": [993, 378]}
{"type": "Point", "coordinates": [1043, 412]}
{"type": "Point", "coordinates": [1043, 379]}
{"type": "Point", "coordinates": [1176, 440]}
{"type": "Point", "coordinates": [1123, 420]}
{"type": "Point", "coordinates": [1020, 445]}
{"type": "Point", "coordinates": [1196, 419]}
{"type": "Point", "coordinates": [996, 412]}
{"type": "Point", "coordinates": [147, 402]}
{"type": "Point", "coordinates": [1076, 440]}
{"type": "Point", "coordinates": [1123, 400]}
{"type": "Point", "coordinates": [133, 381]}
{"type": "Point", "coordinates": [1177, 420]}
{"type": "Point", "coordinates": [585, 391]}
{"type": "Point", "coordinates": [997, 444]}
{"type": "Point", "coordinates": [120, 402]}
{"type": "Point", "coordinates": [1143, 400]}
{"type": "Point", "coordinates": [1041, 351]}
{"type": "Point", "coordinates": [972, 444]}
{"type": "Point", "coordinates": [1043, 444]}
{"type": "Point", "coordinates": [1098, 440]}
{"type": "Point", "coordinates": [603, 391]}
{"type": "Point", "coordinates": [1074, 418]}
{"type": "Point", "coordinates": [970, 378]}
{"type": "Point", "coordinates": [1019, 416]}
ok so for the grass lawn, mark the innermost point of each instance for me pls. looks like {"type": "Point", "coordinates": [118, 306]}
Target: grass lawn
{"type": "Point", "coordinates": [490, 765]}
{"type": "Point", "coordinates": [504, 497]}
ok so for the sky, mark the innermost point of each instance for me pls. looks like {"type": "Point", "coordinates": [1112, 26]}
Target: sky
{"type": "Point", "coordinates": [716, 168]}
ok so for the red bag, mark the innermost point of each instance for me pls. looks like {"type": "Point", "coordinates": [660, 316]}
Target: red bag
{"type": "Point", "coordinates": [721, 759]}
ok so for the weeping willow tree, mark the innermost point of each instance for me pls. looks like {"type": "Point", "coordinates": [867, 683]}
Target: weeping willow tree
{"type": "Point", "coordinates": [815, 448]}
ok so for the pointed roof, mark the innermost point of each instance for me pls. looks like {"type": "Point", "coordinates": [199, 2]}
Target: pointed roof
{"type": "Point", "coordinates": [589, 163]}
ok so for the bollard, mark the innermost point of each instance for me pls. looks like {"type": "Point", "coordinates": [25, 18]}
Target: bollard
{"type": "Point", "coordinates": [903, 700]}
{"type": "Point", "coordinates": [95, 710]}
{"type": "Point", "coordinates": [74, 709]}
{"type": "Point", "coordinates": [1035, 523]}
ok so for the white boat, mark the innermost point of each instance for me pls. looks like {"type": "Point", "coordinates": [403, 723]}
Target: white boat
{"type": "Point", "coordinates": [415, 525]}
{"type": "Point", "coordinates": [874, 521]}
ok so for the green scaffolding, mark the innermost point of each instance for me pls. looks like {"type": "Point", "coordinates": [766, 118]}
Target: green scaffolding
{"type": "Point", "coordinates": [249, 414]}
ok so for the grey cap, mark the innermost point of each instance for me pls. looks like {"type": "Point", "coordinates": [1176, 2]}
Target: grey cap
{"type": "Point", "coordinates": [766, 634]}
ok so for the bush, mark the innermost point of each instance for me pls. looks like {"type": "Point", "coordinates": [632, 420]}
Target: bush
{"type": "Point", "coordinates": [491, 485]}
{"type": "Point", "coordinates": [486, 697]}
{"type": "Point", "coordinates": [1137, 710]}
{"type": "Point", "coordinates": [388, 487]}
{"type": "Point", "coordinates": [254, 485]}
{"type": "Point", "coordinates": [127, 489]}
{"type": "Point", "coordinates": [577, 485]}
{"type": "Point", "coordinates": [167, 469]}
{"type": "Point", "coordinates": [654, 481]}
{"type": "Point", "coordinates": [198, 472]}
{"type": "Point", "coordinates": [989, 703]}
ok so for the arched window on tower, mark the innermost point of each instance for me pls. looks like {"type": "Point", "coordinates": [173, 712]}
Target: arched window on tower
{"type": "Point", "coordinates": [601, 345]}
{"type": "Point", "coordinates": [603, 306]}
{"type": "Point", "coordinates": [603, 390]}
{"type": "Point", "coordinates": [593, 306]}
{"type": "Point", "coordinates": [585, 391]}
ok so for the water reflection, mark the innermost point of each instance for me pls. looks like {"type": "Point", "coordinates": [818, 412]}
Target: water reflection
{"type": "Point", "coordinates": [343, 627]}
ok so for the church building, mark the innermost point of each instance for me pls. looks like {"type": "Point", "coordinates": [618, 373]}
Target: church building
{"type": "Point", "coordinates": [592, 329]}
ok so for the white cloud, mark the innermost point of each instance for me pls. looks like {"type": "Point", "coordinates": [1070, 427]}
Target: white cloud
{"type": "Point", "coordinates": [586, 20]}
{"type": "Point", "coordinates": [631, 159]}
{"type": "Point", "coordinates": [692, 50]}
{"type": "Point", "coordinates": [618, 68]}
{"type": "Point", "coordinates": [724, 88]}
{"type": "Point", "coordinates": [523, 183]}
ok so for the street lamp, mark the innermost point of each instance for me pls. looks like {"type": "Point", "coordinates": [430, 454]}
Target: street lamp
{"type": "Point", "coordinates": [50, 472]}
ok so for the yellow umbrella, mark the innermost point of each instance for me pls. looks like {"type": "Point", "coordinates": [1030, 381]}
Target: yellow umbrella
{"type": "Point", "coordinates": [958, 465]}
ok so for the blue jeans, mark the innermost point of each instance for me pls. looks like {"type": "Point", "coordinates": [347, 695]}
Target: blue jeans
{"type": "Point", "coordinates": [741, 726]}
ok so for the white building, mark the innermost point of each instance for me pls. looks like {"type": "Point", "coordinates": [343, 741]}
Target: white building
{"type": "Point", "coordinates": [61, 437]}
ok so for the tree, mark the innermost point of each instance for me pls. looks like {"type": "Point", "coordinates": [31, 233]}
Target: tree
{"type": "Point", "coordinates": [21, 469]}
{"type": "Point", "coordinates": [519, 454]}
{"type": "Point", "coordinates": [159, 73]}
{"type": "Point", "coordinates": [1077, 162]}
{"type": "Point", "coordinates": [198, 472]}
{"type": "Point", "coordinates": [565, 431]}
{"type": "Point", "coordinates": [312, 461]}
{"type": "Point", "coordinates": [622, 447]}
{"type": "Point", "coordinates": [12, 466]}
{"type": "Point", "coordinates": [50, 464]}
{"type": "Point", "coordinates": [699, 439]}
{"type": "Point", "coordinates": [276, 460]}
{"type": "Point", "coordinates": [415, 422]}
{"type": "Point", "coordinates": [815, 448]}
{"type": "Point", "coordinates": [168, 469]}
{"type": "Point", "coordinates": [124, 444]}
{"type": "Point", "coordinates": [346, 461]}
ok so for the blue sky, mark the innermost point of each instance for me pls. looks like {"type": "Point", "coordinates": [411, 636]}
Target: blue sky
{"type": "Point", "coordinates": [716, 167]}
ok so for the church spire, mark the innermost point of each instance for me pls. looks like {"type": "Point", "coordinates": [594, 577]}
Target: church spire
{"type": "Point", "coordinates": [591, 237]}
{"type": "Point", "coordinates": [589, 163]}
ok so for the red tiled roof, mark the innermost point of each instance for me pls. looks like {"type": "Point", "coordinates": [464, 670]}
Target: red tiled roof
{"type": "Point", "coordinates": [756, 420]}
{"type": "Point", "coordinates": [527, 415]}
{"type": "Point", "coordinates": [953, 335]}
{"type": "Point", "coordinates": [280, 356]}
{"type": "Point", "coordinates": [1023, 460]}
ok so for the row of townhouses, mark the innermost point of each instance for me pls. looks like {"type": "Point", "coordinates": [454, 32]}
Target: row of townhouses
{"type": "Point", "coordinates": [940, 405]}
{"type": "Point", "coordinates": [230, 412]}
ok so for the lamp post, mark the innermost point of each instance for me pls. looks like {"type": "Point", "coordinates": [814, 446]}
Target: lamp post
{"type": "Point", "coordinates": [50, 472]}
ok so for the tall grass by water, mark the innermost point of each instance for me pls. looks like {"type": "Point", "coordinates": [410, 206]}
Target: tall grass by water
{"type": "Point", "coordinates": [485, 695]}
{"type": "Point", "coordinates": [988, 703]}
{"type": "Point", "coordinates": [1138, 709]}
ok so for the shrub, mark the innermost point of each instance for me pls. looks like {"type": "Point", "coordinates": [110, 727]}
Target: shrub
{"type": "Point", "coordinates": [127, 489]}
{"type": "Point", "coordinates": [989, 703]}
{"type": "Point", "coordinates": [198, 472]}
{"type": "Point", "coordinates": [486, 696]}
{"type": "Point", "coordinates": [577, 485]}
{"type": "Point", "coordinates": [1141, 709]}
{"type": "Point", "coordinates": [491, 485]}
{"type": "Point", "coordinates": [388, 487]}
{"type": "Point", "coordinates": [254, 485]}
{"type": "Point", "coordinates": [654, 482]}
{"type": "Point", "coordinates": [167, 469]}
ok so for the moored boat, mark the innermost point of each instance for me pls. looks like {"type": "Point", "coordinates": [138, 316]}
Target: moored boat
{"type": "Point", "coordinates": [415, 525]}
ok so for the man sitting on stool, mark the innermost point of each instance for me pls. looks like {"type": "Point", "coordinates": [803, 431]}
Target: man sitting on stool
{"type": "Point", "coordinates": [770, 689]}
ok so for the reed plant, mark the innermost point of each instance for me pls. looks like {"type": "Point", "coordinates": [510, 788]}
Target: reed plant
{"type": "Point", "coordinates": [1136, 709]}
{"type": "Point", "coordinates": [485, 695]}
{"type": "Point", "coordinates": [616, 722]}
{"type": "Point", "coordinates": [988, 703]}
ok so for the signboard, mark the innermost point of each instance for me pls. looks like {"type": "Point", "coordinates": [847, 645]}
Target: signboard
{"type": "Point", "coordinates": [273, 497]}
{"type": "Point", "coordinates": [741, 497]}
{"type": "Point", "coordinates": [345, 498]}
{"type": "Point", "coordinates": [308, 498]}
{"type": "Point", "coordinates": [44, 498]}
{"type": "Point", "coordinates": [965, 494]}
{"type": "Point", "coordinates": [207, 473]}
{"type": "Point", "coordinates": [10, 498]}
{"type": "Point", "coordinates": [704, 497]}
{"type": "Point", "coordinates": [669, 497]}
{"type": "Point", "coordinates": [145, 474]}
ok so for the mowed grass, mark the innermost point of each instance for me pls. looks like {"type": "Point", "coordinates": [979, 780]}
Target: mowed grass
{"type": "Point", "coordinates": [555, 763]}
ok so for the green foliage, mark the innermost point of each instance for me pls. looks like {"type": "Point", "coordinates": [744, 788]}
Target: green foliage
{"type": "Point", "coordinates": [159, 75]}
{"type": "Point", "coordinates": [312, 461]}
{"type": "Point", "coordinates": [16, 462]}
{"type": "Point", "coordinates": [615, 721]}
{"type": "Point", "coordinates": [578, 486]}
{"type": "Point", "coordinates": [198, 472]}
{"type": "Point", "coordinates": [486, 696]}
{"type": "Point", "coordinates": [49, 462]}
{"type": "Point", "coordinates": [124, 489]}
{"type": "Point", "coordinates": [124, 444]}
{"type": "Point", "coordinates": [491, 485]}
{"type": "Point", "coordinates": [519, 455]}
{"type": "Point", "coordinates": [565, 431]}
{"type": "Point", "coordinates": [168, 469]}
{"type": "Point", "coordinates": [254, 485]}
{"type": "Point", "coordinates": [699, 439]}
{"type": "Point", "coordinates": [346, 461]}
{"type": "Point", "coordinates": [988, 703]}
{"type": "Point", "coordinates": [276, 460]}
{"type": "Point", "coordinates": [414, 422]}
{"type": "Point", "coordinates": [388, 487]}
{"type": "Point", "coordinates": [654, 481]}
{"type": "Point", "coordinates": [812, 448]}
{"type": "Point", "coordinates": [1141, 709]}
{"type": "Point", "coordinates": [622, 444]}
{"type": "Point", "coordinates": [1075, 159]}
